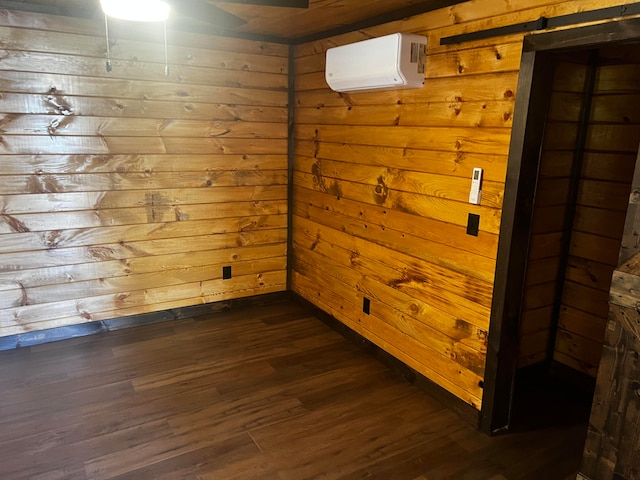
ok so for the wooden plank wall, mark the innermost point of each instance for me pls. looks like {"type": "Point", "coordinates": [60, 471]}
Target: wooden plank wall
{"type": "Point", "coordinates": [605, 183]}
{"type": "Point", "coordinates": [127, 192]}
{"type": "Point", "coordinates": [545, 261]}
{"type": "Point", "coordinates": [613, 437]}
{"type": "Point", "coordinates": [381, 187]}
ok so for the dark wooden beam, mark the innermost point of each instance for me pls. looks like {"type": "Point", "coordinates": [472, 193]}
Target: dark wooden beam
{"type": "Point", "coordinates": [393, 16]}
{"type": "Point", "coordinates": [536, 75]}
{"type": "Point", "coordinates": [544, 23]}
{"type": "Point", "coordinates": [87, 10]}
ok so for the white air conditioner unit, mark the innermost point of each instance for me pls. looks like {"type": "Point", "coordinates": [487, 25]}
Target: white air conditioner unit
{"type": "Point", "coordinates": [389, 62]}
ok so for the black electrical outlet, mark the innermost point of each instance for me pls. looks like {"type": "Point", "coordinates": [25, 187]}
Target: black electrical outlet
{"type": "Point", "coordinates": [366, 305]}
{"type": "Point", "coordinates": [473, 224]}
{"type": "Point", "coordinates": [226, 272]}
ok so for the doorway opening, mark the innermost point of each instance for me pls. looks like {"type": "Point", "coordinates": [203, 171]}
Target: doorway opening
{"type": "Point", "coordinates": [573, 154]}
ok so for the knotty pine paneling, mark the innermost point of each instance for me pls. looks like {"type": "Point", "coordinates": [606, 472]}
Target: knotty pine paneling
{"type": "Point", "coordinates": [127, 192]}
{"type": "Point", "coordinates": [381, 182]}
{"type": "Point", "coordinates": [550, 212]}
{"type": "Point", "coordinates": [603, 197]}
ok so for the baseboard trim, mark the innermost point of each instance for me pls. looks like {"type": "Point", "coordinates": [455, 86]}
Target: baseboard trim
{"type": "Point", "coordinates": [30, 339]}
{"type": "Point", "coordinates": [461, 408]}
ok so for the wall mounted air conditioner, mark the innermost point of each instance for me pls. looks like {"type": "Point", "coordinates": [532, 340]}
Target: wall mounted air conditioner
{"type": "Point", "coordinates": [389, 62]}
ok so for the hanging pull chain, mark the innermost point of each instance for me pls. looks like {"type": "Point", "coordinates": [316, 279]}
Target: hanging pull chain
{"type": "Point", "coordinates": [166, 53]}
{"type": "Point", "coordinates": [106, 27]}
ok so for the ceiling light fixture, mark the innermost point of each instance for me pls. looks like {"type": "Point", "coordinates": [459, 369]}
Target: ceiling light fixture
{"type": "Point", "coordinates": [137, 10]}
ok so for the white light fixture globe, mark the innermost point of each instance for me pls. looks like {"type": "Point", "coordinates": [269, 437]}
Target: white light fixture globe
{"type": "Point", "coordinates": [136, 10]}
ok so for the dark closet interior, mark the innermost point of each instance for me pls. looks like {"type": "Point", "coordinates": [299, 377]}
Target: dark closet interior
{"type": "Point", "coordinates": [584, 179]}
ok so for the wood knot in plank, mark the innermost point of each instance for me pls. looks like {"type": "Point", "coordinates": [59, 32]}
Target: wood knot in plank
{"type": "Point", "coordinates": [52, 239]}
{"type": "Point", "coordinates": [381, 191]}
{"type": "Point", "coordinates": [43, 184]}
{"type": "Point", "coordinates": [457, 109]}
{"type": "Point", "coordinates": [16, 226]}
{"type": "Point", "coordinates": [24, 298]}
{"type": "Point", "coordinates": [346, 98]}
{"type": "Point", "coordinates": [252, 225]}
{"type": "Point", "coordinates": [55, 100]}
{"type": "Point", "coordinates": [102, 253]}
{"type": "Point", "coordinates": [121, 299]}
{"type": "Point", "coordinates": [316, 242]}
{"type": "Point", "coordinates": [627, 318]}
{"type": "Point", "coordinates": [180, 215]}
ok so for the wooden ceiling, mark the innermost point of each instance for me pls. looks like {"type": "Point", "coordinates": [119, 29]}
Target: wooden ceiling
{"type": "Point", "coordinates": [322, 18]}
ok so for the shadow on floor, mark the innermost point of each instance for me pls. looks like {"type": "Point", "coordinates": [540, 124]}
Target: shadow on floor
{"type": "Point", "coordinates": [545, 397]}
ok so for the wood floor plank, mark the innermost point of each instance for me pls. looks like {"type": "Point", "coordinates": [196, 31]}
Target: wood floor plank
{"type": "Point", "coordinates": [254, 392]}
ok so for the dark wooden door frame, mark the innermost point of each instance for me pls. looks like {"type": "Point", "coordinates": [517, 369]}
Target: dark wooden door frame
{"type": "Point", "coordinates": [531, 106]}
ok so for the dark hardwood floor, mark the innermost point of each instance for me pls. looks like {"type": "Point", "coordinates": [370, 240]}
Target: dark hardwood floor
{"type": "Point", "coordinates": [266, 392]}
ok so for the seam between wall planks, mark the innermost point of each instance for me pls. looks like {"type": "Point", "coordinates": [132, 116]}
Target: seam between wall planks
{"type": "Point", "coordinates": [291, 110]}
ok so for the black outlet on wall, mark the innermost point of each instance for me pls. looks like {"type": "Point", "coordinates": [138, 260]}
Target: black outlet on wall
{"type": "Point", "coordinates": [473, 224]}
{"type": "Point", "coordinates": [366, 305]}
{"type": "Point", "coordinates": [226, 272]}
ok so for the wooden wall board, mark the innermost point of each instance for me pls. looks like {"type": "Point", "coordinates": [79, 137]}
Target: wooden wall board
{"type": "Point", "coordinates": [143, 33]}
{"type": "Point", "coordinates": [545, 246]}
{"type": "Point", "coordinates": [140, 301]}
{"type": "Point", "coordinates": [49, 243]}
{"type": "Point", "coordinates": [581, 323]}
{"type": "Point", "coordinates": [44, 104]}
{"type": "Point", "coordinates": [116, 259]}
{"type": "Point", "coordinates": [426, 230]}
{"type": "Point", "coordinates": [126, 192]}
{"type": "Point", "coordinates": [459, 164]}
{"type": "Point", "coordinates": [373, 165]}
{"type": "Point", "coordinates": [193, 267]}
{"type": "Point", "coordinates": [422, 279]}
{"type": "Point", "coordinates": [416, 204]}
{"type": "Point", "coordinates": [46, 125]}
{"type": "Point", "coordinates": [56, 63]}
{"type": "Point", "coordinates": [589, 272]}
{"type": "Point", "coordinates": [482, 88]}
{"type": "Point", "coordinates": [434, 185]}
{"type": "Point", "coordinates": [549, 219]}
{"type": "Point", "coordinates": [31, 40]}
{"type": "Point", "coordinates": [148, 164]}
{"type": "Point", "coordinates": [80, 219]}
{"type": "Point", "coordinates": [46, 84]}
{"type": "Point", "coordinates": [598, 221]}
{"type": "Point", "coordinates": [536, 320]}
{"type": "Point", "coordinates": [454, 114]}
{"type": "Point", "coordinates": [421, 328]}
{"type": "Point", "coordinates": [542, 270]}
{"type": "Point", "coordinates": [69, 201]}
{"type": "Point", "coordinates": [602, 200]}
{"type": "Point", "coordinates": [612, 438]}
